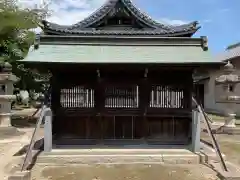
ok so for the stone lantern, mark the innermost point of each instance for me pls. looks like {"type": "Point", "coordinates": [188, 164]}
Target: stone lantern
{"type": "Point", "coordinates": [227, 84]}
{"type": "Point", "coordinates": [7, 80]}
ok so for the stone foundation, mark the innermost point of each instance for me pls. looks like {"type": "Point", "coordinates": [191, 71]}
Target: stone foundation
{"type": "Point", "coordinates": [122, 156]}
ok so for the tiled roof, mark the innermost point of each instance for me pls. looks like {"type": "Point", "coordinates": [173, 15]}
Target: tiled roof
{"type": "Point", "coordinates": [83, 27]}
{"type": "Point", "coordinates": [229, 54]}
{"type": "Point", "coordinates": [119, 54]}
{"type": "Point", "coordinates": [124, 32]}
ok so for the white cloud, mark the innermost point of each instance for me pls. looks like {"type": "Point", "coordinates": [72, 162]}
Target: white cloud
{"type": "Point", "coordinates": [207, 21]}
{"type": "Point", "coordinates": [65, 12]}
{"type": "Point", "coordinates": [66, 17]}
{"type": "Point", "coordinates": [172, 21]}
{"type": "Point", "coordinates": [224, 10]}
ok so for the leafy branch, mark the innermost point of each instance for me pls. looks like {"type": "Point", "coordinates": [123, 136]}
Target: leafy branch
{"type": "Point", "coordinates": [16, 37]}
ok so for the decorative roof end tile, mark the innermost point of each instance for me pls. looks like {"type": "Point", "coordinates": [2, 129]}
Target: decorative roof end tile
{"type": "Point", "coordinates": [204, 43]}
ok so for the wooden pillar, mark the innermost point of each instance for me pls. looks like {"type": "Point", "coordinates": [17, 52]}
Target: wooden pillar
{"type": "Point", "coordinates": [99, 95]}
{"type": "Point", "coordinates": [88, 127]}
{"type": "Point", "coordinates": [55, 100]}
{"type": "Point", "coordinates": [145, 91]}
{"type": "Point", "coordinates": [188, 91]}
{"type": "Point", "coordinates": [55, 92]}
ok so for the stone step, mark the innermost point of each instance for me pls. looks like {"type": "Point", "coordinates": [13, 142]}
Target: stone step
{"type": "Point", "coordinates": [109, 151]}
{"type": "Point", "coordinates": [118, 156]}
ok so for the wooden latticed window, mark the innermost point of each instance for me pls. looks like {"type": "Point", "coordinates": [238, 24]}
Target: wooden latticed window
{"type": "Point", "coordinates": [77, 96]}
{"type": "Point", "coordinates": [121, 97]}
{"type": "Point", "coordinates": [163, 96]}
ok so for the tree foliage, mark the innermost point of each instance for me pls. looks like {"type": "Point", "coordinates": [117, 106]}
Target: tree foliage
{"type": "Point", "coordinates": [16, 37]}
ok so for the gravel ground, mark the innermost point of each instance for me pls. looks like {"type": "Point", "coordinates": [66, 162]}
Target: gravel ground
{"type": "Point", "coordinates": [229, 145]}
{"type": "Point", "coordinates": [8, 148]}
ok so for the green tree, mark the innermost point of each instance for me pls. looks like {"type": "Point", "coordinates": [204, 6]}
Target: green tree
{"type": "Point", "coordinates": [16, 37]}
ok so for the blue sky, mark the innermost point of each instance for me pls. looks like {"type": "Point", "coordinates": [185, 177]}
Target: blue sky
{"type": "Point", "coordinates": [219, 19]}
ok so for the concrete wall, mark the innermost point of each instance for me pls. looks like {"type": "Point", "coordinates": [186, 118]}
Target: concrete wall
{"type": "Point", "coordinates": [211, 91]}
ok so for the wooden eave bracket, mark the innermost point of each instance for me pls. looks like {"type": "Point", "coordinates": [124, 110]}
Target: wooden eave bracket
{"type": "Point", "coordinates": [204, 43]}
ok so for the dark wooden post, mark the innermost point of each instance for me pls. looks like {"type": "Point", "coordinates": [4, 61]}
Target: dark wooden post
{"type": "Point", "coordinates": [144, 97]}
{"type": "Point", "coordinates": [99, 101]}
{"type": "Point", "coordinates": [55, 101]}
{"type": "Point", "coordinates": [99, 94]}
{"type": "Point", "coordinates": [188, 91]}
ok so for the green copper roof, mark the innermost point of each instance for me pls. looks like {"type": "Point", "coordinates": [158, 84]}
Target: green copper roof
{"type": "Point", "coordinates": [119, 54]}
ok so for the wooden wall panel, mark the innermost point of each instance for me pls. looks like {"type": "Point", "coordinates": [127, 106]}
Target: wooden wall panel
{"type": "Point", "coordinates": [116, 106]}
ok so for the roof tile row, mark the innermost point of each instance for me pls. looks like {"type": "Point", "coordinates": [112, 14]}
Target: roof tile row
{"type": "Point", "coordinates": [157, 28]}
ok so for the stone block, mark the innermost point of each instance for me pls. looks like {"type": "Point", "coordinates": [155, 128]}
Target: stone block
{"type": "Point", "coordinates": [20, 175]}
{"type": "Point", "coordinates": [231, 130]}
{"type": "Point", "coordinates": [225, 130]}
{"type": "Point", "coordinates": [202, 158]}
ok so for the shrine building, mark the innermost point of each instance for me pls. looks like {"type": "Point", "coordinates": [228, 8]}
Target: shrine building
{"type": "Point", "coordinates": [119, 77]}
